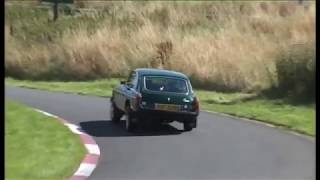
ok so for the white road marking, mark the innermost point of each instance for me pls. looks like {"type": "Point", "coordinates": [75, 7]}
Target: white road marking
{"type": "Point", "coordinates": [73, 128]}
{"type": "Point", "coordinates": [85, 169]}
{"type": "Point", "coordinates": [93, 149]}
{"type": "Point", "coordinates": [45, 113]}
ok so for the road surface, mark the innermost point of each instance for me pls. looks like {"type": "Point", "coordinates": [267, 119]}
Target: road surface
{"type": "Point", "coordinates": [220, 148]}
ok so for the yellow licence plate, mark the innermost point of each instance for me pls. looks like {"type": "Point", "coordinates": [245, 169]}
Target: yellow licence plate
{"type": "Point", "coordinates": [167, 107]}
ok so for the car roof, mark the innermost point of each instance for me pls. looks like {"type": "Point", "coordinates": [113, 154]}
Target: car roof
{"type": "Point", "coordinates": [160, 72]}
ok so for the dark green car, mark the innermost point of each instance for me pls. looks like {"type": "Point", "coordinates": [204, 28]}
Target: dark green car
{"type": "Point", "coordinates": [155, 96]}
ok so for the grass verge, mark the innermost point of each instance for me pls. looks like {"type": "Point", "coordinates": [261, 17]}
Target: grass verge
{"type": "Point", "coordinates": [300, 118]}
{"type": "Point", "coordinates": [97, 87]}
{"type": "Point", "coordinates": [37, 146]}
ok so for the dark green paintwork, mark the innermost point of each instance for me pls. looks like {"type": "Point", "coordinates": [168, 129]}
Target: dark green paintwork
{"type": "Point", "coordinates": [59, 1]}
{"type": "Point", "coordinates": [122, 94]}
{"type": "Point", "coordinates": [160, 72]}
{"type": "Point", "coordinates": [162, 97]}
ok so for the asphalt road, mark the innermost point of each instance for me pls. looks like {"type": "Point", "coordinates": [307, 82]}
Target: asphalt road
{"type": "Point", "coordinates": [220, 148]}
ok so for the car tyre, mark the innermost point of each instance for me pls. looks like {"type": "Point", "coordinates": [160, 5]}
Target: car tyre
{"type": "Point", "coordinates": [115, 113]}
{"type": "Point", "coordinates": [130, 125]}
{"type": "Point", "coordinates": [187, 126]}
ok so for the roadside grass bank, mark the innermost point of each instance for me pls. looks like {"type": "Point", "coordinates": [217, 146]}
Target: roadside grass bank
{"type": "Point", "coordinates": [280, 112]}
{"type": "Point", "coordinates": [299, 118]}
{"type": "Point", "coordinates": [96, 87]}
{"type": "Point", "coordinates": [220, 45]}
{"type": "Point", "coordinates": [37, 146]}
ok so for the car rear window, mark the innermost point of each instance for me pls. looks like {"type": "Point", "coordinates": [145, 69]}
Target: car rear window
{"type": "Point", "coordinates": [165, 84]}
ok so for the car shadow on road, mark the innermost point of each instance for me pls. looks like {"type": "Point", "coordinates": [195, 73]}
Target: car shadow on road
{"type": "Point", "coordinates": [106, 128]}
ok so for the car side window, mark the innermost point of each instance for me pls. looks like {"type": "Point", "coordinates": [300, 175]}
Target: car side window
{"type": "Point", "coordinates": [133, 79]}
{"type": "Point", "coordinates": [135, 82]}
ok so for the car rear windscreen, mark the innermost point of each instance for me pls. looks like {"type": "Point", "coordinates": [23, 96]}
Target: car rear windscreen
{"type": "Point", "coordinates": [165, 84]}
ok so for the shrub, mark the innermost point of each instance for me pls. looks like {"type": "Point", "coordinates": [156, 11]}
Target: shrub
{"type": "Point", "coordinates": [296, 72]}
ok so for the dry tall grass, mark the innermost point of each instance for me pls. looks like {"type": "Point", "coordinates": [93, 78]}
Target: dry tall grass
{"type": "Point", "coordinates": [220, 45]}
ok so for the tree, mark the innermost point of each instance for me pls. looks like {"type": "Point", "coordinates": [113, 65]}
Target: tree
{"type": "Point", "coordinates": [55, 6]}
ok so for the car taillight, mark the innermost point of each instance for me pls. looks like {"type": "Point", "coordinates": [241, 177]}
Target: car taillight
{"type": "Point", "coordinates": [195, 104]}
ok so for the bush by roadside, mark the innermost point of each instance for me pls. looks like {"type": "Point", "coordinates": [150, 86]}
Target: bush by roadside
{"type": "Point", "coordinates": [296, 70]}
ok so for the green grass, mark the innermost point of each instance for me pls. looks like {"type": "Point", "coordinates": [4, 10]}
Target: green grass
{"type": "Point", "coordinates": [37, 146]}
{"type": "Point", "coordinates": [31, 24]}
{"type": "Point", "coordinates": [97, 87]}
{"type": "Point", "coordinates": [300, 118]}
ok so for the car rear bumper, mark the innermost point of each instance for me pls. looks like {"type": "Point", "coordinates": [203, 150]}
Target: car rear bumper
{"type": "Point", "coordinates": [165, 115]}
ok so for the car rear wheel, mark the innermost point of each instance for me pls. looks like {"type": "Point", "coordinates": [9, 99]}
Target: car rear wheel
{"type": "Point", "coordinates": [115, 113]}
{"type": "Point", "coordinates": [130, 125]}
{"type": "Point", "coordinates": [187, 126]}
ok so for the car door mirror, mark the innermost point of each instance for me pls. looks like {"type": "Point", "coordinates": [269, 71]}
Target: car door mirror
{"type": "Point", "coordinates": [129, 85]}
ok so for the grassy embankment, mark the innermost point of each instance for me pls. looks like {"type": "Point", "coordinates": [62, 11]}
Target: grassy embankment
{"type": "Point", "coordinates": [300, 118]}
{"type": "Point", "coordinates": [225, 46]}
{"type": "Point", "coordinates": [37, 146]}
